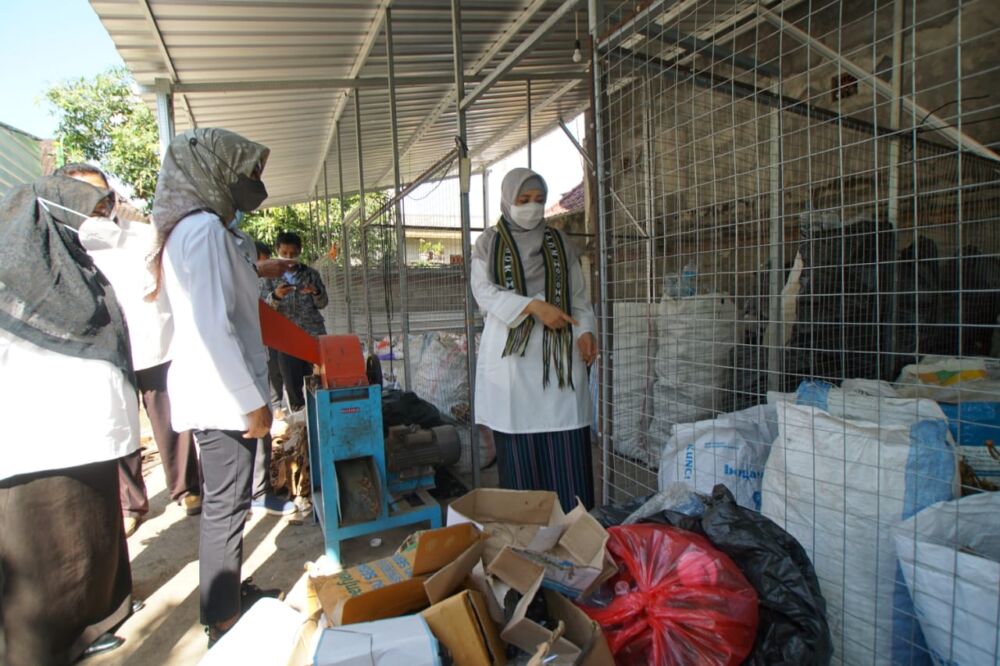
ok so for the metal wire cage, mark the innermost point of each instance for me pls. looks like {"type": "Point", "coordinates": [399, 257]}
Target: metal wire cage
{"type": "Point", "coordinates": [801, 287]}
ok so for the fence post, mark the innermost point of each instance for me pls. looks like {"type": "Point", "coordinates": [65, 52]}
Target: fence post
{"type": "Point", "coordinates": [464, 177]}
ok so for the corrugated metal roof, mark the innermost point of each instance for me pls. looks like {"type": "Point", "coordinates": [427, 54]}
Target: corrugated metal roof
{"type": "Point", "coordinates": [261, 42]}
{"type": "Point", "coordinates": [20, 158]}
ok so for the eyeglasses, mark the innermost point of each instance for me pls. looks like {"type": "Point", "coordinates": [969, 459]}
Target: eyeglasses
{"type": "Point", "coordinates": [107, 206]}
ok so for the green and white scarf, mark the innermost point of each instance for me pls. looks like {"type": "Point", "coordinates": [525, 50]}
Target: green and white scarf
{"type": "Point", "coordinates": [508, 272]}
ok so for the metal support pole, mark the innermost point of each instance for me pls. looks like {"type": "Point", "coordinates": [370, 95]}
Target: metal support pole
{"type": "Point", "coordinates": [486, 198]}
{"type": "Point", "coordinates": [604, 307]}
{"type": "Point", "coordinates": [345, 238]}
{"type": "Point", "coordinates": [895, 108]}
{"type": "Point", "coordinates": [775, 331]}
{"type": "Point", "coordinates": [326, 206]}
{"type": "Point", "coordinates": [311, 225]}
{"type": "Point", "coordinates": [404, 308]}
{"type": "Point", "coordinates": [165, 114]}
{"type": "Point", "coordinates": [611, 190]}
{"type": "Point", "coordinates": [318, 231]}
{"type": "Point", "coordinates": [369, 331]}
{"type": "Point", "coordinates": [528, 84]}
{"type": "Point", "coordinates": [647, 161]}
{"type": "Point", "coordinates": [464, 176]}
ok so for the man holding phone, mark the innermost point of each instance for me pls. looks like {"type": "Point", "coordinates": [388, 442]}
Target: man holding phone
{"type": "Point", "coordinates": [299, 294]}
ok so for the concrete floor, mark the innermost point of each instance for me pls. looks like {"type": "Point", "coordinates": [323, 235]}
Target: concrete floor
{"type": "Point", "coordinates": [164, 555]}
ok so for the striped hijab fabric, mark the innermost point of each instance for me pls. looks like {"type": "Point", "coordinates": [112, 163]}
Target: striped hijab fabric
{"type": "Point", "coordinates": [508, 272]}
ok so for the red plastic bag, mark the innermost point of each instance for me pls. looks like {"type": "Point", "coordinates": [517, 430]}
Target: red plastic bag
{"type": "Point", "coordinates": [675, 600]}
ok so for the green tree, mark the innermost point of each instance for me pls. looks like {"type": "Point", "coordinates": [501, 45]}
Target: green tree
{"type": "Point", "coordinates": [265, 225]}
{"type": "Point", "coordinates": [104, 120]}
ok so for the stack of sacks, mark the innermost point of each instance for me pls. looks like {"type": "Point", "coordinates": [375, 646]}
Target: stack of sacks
{"type": "Point", "coordinates": [847, 467]}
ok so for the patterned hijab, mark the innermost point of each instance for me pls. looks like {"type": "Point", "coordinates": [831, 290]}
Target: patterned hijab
{"type": "Point", "coordinates": [51, 292]}
{"type": "Point", "coordinates": [197, 171]}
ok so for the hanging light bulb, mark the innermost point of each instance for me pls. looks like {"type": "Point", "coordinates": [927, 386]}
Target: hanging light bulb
{"type": "Point", "coordinates": [577, 56]}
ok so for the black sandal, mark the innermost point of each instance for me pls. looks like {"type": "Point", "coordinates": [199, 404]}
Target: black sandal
{"type": "Point", "coordinates": [105, 643]}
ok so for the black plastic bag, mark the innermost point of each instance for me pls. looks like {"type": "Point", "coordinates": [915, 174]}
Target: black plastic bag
{"type": "Point", "coordinates": [792, 627]}
{"type": "Point", "coordinates": [407, 408]}
{"type": "Point", "coordinates": [918, 303]}
{"type": "Point", "coordinates": [839, 315]}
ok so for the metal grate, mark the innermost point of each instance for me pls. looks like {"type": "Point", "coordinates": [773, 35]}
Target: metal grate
{"type": "Point", "coordinates": [800, 204]}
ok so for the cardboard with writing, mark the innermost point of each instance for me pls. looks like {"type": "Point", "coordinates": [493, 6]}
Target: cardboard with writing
{"type": "Point", "coordinates": [427, 568]}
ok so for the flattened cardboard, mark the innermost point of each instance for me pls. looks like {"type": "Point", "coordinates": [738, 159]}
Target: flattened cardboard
{"type": "Point", "coordinates": [462, 624]}
{"type": "Point", "coordinates": [402, 583]}
{"type": "Point", "coordinates": [477, 581]}
{"type": "Point", "coordinates": [582, 641]}
{"type": "Point", "coordinates": [584, 539]}
{"type": "Point", "coordinates": [526, 577]}
{"type": "Point", "coordinates": [580, 630]}
{"type": "Point", "coordinates": [492, 505]}
{"type": "Point", "coordinates": [451, 576]}
{"type": "Point", "coordinates": [571, 547]}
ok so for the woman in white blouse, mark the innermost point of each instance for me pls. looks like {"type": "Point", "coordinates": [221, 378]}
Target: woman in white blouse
{"type": "Point", "coordinates": [531, 375]}
{"type": "Point", "coordinates": [218, 378]}
{"type": "Point", "coordinates": [70, 412]}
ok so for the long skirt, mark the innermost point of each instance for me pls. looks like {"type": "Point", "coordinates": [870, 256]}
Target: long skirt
{"type": "Point", "coordinates": [556, 461]}
{"type": "Point", "coordinates": [64, 562]}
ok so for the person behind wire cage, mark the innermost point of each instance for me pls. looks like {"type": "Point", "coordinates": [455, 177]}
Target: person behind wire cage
{"type": "Point", "coordinates": [120, 247]}
{"type": "Point", "coordinates": [218, 378]}
{"type": "Point", "coordinates": [538, 339]}
{"type": "Point", "coordinates": [68, 392]}
{"type": "Point", "coordinates": [299, 295]}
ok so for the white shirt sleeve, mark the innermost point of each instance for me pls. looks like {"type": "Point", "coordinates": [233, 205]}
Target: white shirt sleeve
{"type": "Point", "coordinates": [208, 280]}
{"type": "Point", "coordinates": [583, 310]}
{"type": "Point", "coordinates": [504, 304]}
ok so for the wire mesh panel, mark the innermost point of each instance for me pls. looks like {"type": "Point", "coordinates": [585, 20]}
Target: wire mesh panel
{"type": "Point", "coordinates": [433, 319]}
{"type": "Point", "coordinates": [802, 273]}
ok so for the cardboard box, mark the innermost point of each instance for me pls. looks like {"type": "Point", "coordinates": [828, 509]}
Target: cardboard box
{"type": "Point", "coordinates": [399, 641]}
{"type": "Point", "coordinates": [463, 625]}
{"type": "Point", "coordinates": [582, 641]}
{"type": "Point", "coordinates": [426, 569]}
{"type": "Point", "coordinates": [571, 547]}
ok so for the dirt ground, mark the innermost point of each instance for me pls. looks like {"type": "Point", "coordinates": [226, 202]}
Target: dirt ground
{"type": "Point", "coordinates": [164, 555]}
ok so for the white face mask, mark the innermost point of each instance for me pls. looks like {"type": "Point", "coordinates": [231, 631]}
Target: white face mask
{"type": "Point", "coordinates": [100, 233]}
{"type": "Point", "coordinates": [527, 216]}
{"type": "Point", "coordinates": [96, 223]}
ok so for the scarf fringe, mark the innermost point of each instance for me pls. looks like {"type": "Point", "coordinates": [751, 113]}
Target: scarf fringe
{"type": "Point", "coordinates": [508, 271]}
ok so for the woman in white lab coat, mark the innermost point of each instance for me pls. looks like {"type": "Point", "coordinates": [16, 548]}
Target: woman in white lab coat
{"type": "Point", "coordinates": [218, 379]}
{"type": "Point", "coordinates": [531, 375]}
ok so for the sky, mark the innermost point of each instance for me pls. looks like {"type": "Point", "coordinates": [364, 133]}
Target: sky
{"type": "Point", "coordinates": [552, 156]}
{"type": "Point", "coordinates": [42, 43]}
{"type": "Point", "coordinates": [45, 42]}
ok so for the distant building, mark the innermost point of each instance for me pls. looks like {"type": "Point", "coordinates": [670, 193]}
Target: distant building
{"type": "Point", "coordinates": [23, 157]}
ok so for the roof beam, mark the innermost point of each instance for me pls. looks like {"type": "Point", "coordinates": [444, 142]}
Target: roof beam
{"type": "Point", "coordinates": [522, 49]}
{"type": "Point", "coordinates": [375, 82]}
{"type": "Point", "coordinates": [477, 67]}
{"type": "Point", "coordinates": [168, 61]}
{"type": "Point", "coordinates": [520, 120]}
{"type": "Point", "coordinates": [359, 62]}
